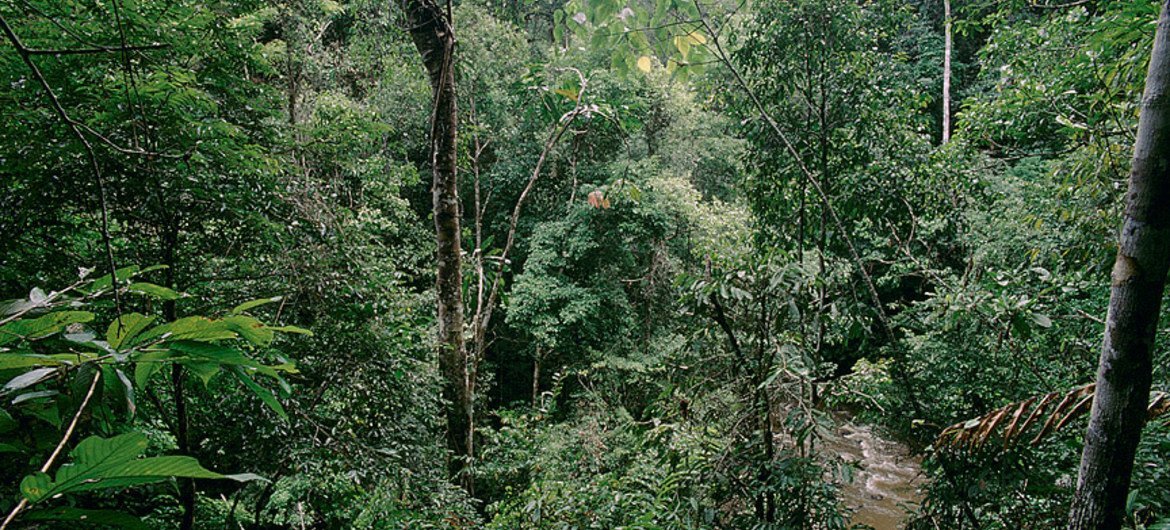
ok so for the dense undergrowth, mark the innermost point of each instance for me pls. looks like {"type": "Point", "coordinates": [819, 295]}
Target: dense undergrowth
{"type": "Point", "coordinates": [681, 314]}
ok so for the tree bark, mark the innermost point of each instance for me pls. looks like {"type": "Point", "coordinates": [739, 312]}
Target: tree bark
{"type": "Point", "coordinates": [1138, 280]}
{"type": "Point", "coordinates": [433, 34]}
{"type": "Point", "coordinates": [947, 45]}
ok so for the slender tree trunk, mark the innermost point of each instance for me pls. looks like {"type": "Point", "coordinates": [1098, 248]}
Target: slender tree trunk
{"type": "Point", "coordinates": [477, 351]}
{"type": "Point", "coordinates": [763, 353]}
{"type": "Point", "coordinates": [536, 376]}
{"type": "Point", "coordinates": [766, 499]}
{"type": "Point", "coordinates": [433, 34]}
{"type": "Point", "coordinates": [1139, 277]}
{"type": "Point", "coordinates": [947, 45]}
{"type": "Point", "coordinates": [182, 438]}
{"type": "Point", "coordinates": [826, 183]}
{"type": "Point", "coordinates": [294, 91]}
{"type": "Point", "coordinates": [800, 230]}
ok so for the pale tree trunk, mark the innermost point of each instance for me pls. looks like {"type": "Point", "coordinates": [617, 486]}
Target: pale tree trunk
{"type": "Point", "coordinates": [1139, 277]}
{"type": "Point", "coordinates": [947, 45]}
{"type": "Point", "coordinates": [434, 36]}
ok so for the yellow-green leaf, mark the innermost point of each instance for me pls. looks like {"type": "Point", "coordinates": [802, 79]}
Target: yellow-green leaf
{"type": "Point", "coordinates": [683, 43]}
{"type": "Point", "coordinates": [568, 93]}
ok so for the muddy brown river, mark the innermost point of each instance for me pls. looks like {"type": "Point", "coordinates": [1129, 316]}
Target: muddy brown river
{"type": "Point", "coordinates": [885, 485]}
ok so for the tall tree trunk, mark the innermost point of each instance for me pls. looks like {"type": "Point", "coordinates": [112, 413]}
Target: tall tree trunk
{"type": "Point", "coordinates": [1139, 277]}
{"type": "Point", "coordinates": [763, 353]}
{"type": "Point", "coordinates": [947, 45]}
{"type": "Point", "coordinates": [433, 34]}
{"type": "Point", "coordinates": [182, 423]}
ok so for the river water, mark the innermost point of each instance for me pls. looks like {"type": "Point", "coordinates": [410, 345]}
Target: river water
{"type": "Point", "coordinates": [887, 479]}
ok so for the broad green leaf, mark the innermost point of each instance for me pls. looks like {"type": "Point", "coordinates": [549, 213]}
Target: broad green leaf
{"type": "Point", "coordinates": [640, 42]}
{"type": "Point", "coordinates": [558, 26]}
{"type": "Point", "coordinates": [198, 352]}
{"type": "Point", "coordinates": [1042, 320]}
{"type": "Point", "coordinates": [264, 394]}
{"type": "Point", "coordinates": [116, 383]}
{"type": "Point", "coordinates": [599, 39]}
{"type": "Point", "coordinates": [7, 423]}
{"type": "Point", "coordinates": [148, 364]}
{"type": "Point", "coordinates": [10, 361]}
{"type": "Point", "coordinates": [291, 329]}
{"type": "Point", "coordinates": [205, 370]}
{"type": "Point", "coordinates": [40, 327]}
{"type": "Point", "coordinates": [152, 268]}
{"type": "Point", "coordinates": [28, 379]}
{"type": "Point", "coordinates": [101, 463]}
{"type": "Point", "coordinates": [78, 516]}
{"type": "Point", "coordinates": [127, 327]}
{"type": "Point", "coordinates": [43, 409]}
{"type": "Point", "coordinates": [249, 328]}
{"type": "Point", "coordinates": [189, 328]}
{"type": "Point", "coordinates": [154, 291]}
{"type": "Point", "coordinates": [30, 396]}
{"type": "Point", "coordinates": [123, 274]}
{"type": "Point", "coordinates": [254, 303]}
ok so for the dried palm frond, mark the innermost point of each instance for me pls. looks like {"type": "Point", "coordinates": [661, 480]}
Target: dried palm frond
{"type": "Point", "coordinates": [1057, 409]}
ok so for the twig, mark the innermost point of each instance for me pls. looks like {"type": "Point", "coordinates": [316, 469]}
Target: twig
{"type": "Point", "coordinates": [57, 451]}
{"type": "Point", "coordinates": [1094, 318]}
{"type": "Point", "coordinates": [48, 302]}
{"type": "Point", "coordinates": [77, 127]}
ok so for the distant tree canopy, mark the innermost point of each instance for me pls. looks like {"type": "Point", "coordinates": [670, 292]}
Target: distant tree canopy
{"type": "Point", "coordinates": [579, 264]}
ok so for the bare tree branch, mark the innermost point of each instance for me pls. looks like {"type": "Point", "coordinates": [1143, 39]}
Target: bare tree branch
{"type": "Point", "coordinates": [93, 160]}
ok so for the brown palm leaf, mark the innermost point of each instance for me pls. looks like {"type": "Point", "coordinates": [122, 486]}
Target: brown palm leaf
{"type": "Point", "coordinates": [1057, 409]}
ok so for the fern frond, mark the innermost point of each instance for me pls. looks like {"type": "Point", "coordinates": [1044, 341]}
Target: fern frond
{"type": "Point", "coordinates": [1056, 409]}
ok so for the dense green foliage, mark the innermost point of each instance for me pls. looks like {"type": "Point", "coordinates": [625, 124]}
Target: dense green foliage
{"type": "Point", "coordinates": [744, 233]}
